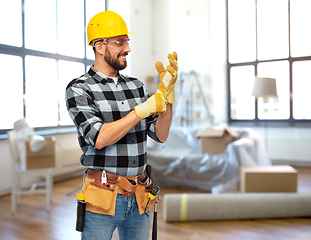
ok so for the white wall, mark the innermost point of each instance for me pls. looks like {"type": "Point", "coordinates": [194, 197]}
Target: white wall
{"type": "Point", "coordinates": [196, 30]}
{"type": "Point", "coordinates": [142, 40]}
{"type": "Point", "coordinates": [288, 144]}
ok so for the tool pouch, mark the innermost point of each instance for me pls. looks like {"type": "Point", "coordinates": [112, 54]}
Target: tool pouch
{"type": "Point", "coordinates": [99, 198]}
{"type": "Point", "coordinates": [142, 197]}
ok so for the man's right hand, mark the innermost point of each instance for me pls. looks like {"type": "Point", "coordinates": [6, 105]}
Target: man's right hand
{"type": "Point", "coordinates": [155, 104]}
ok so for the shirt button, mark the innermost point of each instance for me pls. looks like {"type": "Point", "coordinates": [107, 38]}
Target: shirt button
{"type": "Point", "coordinates": [122, 103]}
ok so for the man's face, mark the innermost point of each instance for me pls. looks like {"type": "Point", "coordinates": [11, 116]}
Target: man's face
{"type": "Point", "coordinates": [115, 55]}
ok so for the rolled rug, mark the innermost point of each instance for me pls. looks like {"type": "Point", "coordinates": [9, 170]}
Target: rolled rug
{"type": "Point", "coordinates": [230, 206]}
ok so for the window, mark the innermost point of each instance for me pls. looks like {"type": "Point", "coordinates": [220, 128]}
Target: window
{"type": "Point", "coordinates": [269, 39]}
{"type": "Point", "coordinates": [12, 90]}
{"type": "Point", "coordinates": [42, 48]}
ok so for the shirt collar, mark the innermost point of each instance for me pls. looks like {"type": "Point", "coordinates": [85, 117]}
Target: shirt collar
{"type": "Point", "coordinates": [100, 77]}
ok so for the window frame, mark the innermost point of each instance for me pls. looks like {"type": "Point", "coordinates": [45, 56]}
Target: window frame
{"type": "Point", "coordinates": [256, 121]}
{"type": "Point", "coordinates": [23, 52]}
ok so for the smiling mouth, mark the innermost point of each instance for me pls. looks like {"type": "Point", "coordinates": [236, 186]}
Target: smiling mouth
{"type": "Point", "coordinates": [123, 57]}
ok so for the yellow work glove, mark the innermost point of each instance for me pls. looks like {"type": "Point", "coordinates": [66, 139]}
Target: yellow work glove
{"type": "Point", "coordinates": [155, 104]}
{"type": "Point", "coordinates": [168, 77]}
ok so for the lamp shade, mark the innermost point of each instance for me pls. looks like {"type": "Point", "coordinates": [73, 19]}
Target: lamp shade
{"type": "Point", "coordinates": [21, 124]}
{"type": "Point", "coordinates": [264, 87]}
{"type": "Point", "coordinates": [24, 131]}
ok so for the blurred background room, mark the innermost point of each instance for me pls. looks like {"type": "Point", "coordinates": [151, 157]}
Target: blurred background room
{"type": "Point", "coordinates": [241, 101]}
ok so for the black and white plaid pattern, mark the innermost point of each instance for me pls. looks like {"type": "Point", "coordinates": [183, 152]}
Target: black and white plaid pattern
{"type": "Point", "coordinates": [94, 99]}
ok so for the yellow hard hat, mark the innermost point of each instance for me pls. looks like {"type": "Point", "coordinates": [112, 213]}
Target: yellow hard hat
{"type": "Point", "coordinates": [104, 25]}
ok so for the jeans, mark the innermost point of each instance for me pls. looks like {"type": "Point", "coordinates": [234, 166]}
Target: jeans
{"type": "Point", "coordinates": [131, 225]}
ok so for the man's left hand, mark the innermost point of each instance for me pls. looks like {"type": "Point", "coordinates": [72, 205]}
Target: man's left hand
{"type": "Point", "coordinates": [168, 77]}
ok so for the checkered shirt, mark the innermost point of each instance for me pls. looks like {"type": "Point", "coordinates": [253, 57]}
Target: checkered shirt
{"type": "Point", "coordinates": [94, 99]}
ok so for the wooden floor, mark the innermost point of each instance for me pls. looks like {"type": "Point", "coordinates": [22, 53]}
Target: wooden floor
{"type": "Point", "coordinates": [32, 222]}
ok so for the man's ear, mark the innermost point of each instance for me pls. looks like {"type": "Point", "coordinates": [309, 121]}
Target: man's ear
{"type": "Point", "coordinates": [99, 48]}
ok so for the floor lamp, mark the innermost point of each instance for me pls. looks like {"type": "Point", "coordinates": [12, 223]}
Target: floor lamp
{"type": "Point", "coordinates": [265, 88]}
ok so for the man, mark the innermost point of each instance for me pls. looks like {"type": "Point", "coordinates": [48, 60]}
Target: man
{"type": "Point", "coordinates": [113, 115]}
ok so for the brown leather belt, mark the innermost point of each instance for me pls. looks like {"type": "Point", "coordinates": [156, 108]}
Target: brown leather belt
{"type": "Point", "coordinates": [127, 184]}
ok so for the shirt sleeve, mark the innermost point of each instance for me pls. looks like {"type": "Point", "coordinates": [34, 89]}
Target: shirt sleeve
{"type": "Point", "coordinates": [151, 120]}
{"type": "Point", "coordinates": [83, 112]}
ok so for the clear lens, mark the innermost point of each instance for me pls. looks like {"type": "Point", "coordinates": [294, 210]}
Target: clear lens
{"type": "Point", "coordinates": [118, 44]}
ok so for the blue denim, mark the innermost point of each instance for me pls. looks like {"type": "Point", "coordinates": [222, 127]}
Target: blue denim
{"type": "Point", "coordinates": [131, 225]}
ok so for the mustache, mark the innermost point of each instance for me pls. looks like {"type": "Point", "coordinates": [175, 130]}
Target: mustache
{"type": "Point", "coordinates": [122, 54]}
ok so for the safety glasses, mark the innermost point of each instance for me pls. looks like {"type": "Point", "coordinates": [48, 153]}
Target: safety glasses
{"type": "Point", "coordinates": [115, 44]}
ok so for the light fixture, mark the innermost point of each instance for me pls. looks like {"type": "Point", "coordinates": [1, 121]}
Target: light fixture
{"type": "Point", "coordinates": [24, 131]}
{"type": "Point", "coordinates": [265, 87]}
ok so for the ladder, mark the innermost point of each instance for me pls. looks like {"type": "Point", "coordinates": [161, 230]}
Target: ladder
{"type": "Point", "coordinates": [185, 113]}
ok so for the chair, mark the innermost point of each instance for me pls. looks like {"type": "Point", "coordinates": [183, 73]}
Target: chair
{"type": "Point", "coordinates": [20, 173]}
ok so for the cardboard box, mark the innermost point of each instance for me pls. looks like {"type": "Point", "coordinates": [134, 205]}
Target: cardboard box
{"type": "Point", "coordinates": [215, 141]}
{"type": "Point", "coordinates": [45, 158]}
{"type": "Point", "coordinates": [274, 178]}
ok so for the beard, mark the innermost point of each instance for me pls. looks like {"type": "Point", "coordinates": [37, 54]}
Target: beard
{"type": "Point", "coordinates": [114, 62]}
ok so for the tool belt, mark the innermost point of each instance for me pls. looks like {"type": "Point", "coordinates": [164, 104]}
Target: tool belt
{"type": "Point", "coordinates": [127, 185]}
{"type": "Point", "coordinates": [100, 197]}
